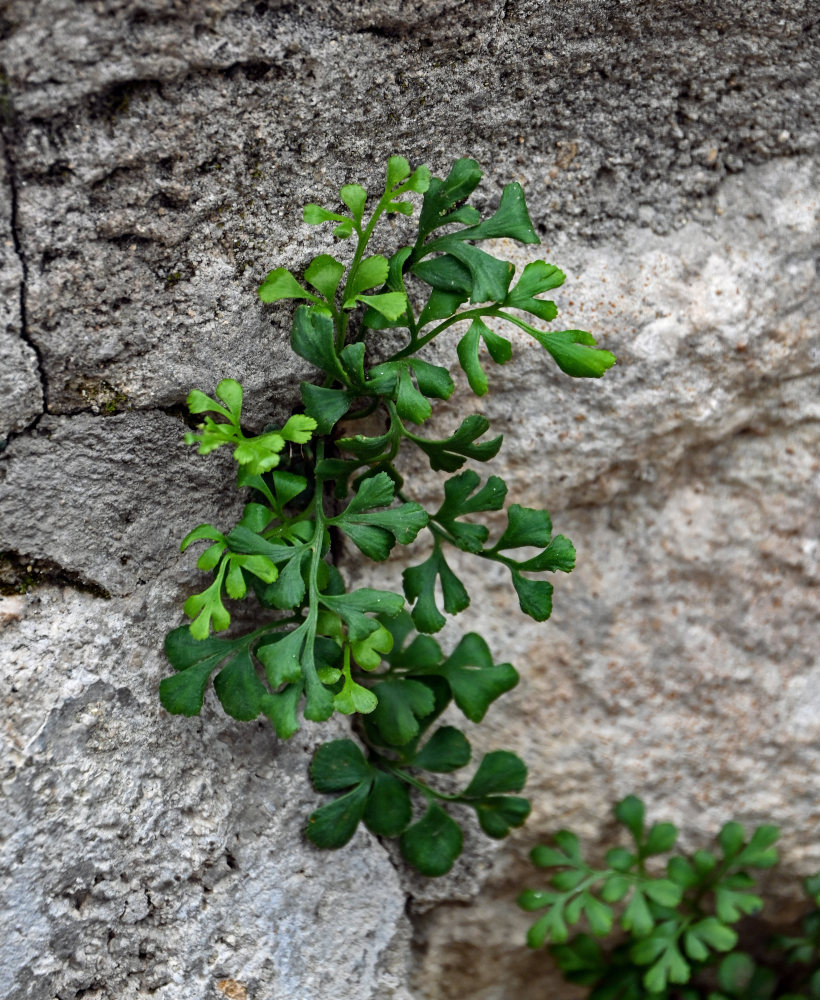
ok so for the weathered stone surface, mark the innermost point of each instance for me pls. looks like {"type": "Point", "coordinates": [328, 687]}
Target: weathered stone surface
{"type": "Point", "coordinates": [155, 857]}
{"type": "Point", "coordinates": [680, 661]}
{"type": "Point", "coordinates": [678, 665]}
{"type": "Point", "coordinates": [110, 499]}
{"type": "Point", "coordinates": [160, 155]}
{"type": "Point", "coordinates": [21, 396]}
{"type": "Point", "coordinates": [715, 330]}
{"type": "Point", "coordinates": [163, 163]}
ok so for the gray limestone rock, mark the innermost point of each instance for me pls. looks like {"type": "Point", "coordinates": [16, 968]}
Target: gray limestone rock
{"type": "Point", "coordinates": [163, 156]}
{"type": "Point", "coordinates": [145, 856]}
{"type": "Point", "coordinates": [110, 499]}
{"type": "Point", "coordinates": [21, 396]}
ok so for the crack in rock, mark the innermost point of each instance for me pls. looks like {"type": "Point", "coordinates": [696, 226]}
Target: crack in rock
{"type": "Point", "coordinates": [14, 387]}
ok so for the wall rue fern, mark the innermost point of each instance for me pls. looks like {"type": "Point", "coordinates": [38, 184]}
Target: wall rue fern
{"type": "Point", "coordinates": [324, 649]}
{"type": "Point", "coordinates": [677, 930]}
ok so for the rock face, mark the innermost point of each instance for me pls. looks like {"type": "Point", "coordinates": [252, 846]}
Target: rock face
{"type": "Point", "coordinates": [157, 156]}
{"type": "Point", "coordinates": [21, 396]}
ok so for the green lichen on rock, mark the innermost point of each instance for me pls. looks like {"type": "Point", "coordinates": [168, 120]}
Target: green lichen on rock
{"type": "Point", "coordinates": [99, 396]}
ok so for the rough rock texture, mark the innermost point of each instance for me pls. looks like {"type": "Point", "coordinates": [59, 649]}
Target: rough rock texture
{"type": "Point", "coordinates": [157, 155]}
{"type": "Point", "coordinates": [681, 656]}
{"type": "Point", "coordinates": [21, 395]}
{"type": "Point", "coordinates": [152, 858]}
{"type": "Point", "coordinates": [123, 486]}
{"type": "Point", "coordinates": [167, 151]}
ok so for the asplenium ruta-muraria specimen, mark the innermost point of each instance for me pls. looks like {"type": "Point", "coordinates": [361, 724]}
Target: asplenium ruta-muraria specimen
{"type": "Point", "coordinates": [321, 648]}
{"type": "Point", "coordinates": [675, 923]}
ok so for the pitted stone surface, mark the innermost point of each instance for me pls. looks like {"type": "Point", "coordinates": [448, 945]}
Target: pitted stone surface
{"type": "Point", "coordinates": [148, 856]}
{"type": "Point", "coordinates": [159, 156]}
{"type": "Point", "coordinates": [163, 163]}
{"type": "Point", "coordinates": [21, 394]}
{"type": "Point", "coordinates": [110, 499]}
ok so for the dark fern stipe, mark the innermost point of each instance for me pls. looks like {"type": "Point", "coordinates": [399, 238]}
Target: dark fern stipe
{"type": "Point", "coordinates": [323, 648]}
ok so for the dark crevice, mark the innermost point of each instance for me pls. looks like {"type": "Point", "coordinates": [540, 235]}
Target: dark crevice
{"type": "Point", "coordinates": [388, 31]}
{"type": "Point", "coordinates": [180, 411]}
{"type": "Point", "coordinates": [20, 573]}
{"type": "Point", "coordinates": [114, 100]}
{"type": "Point", "coordinates": [256, 69]}
{"type": "Point", "coordinates": [416, 920]}
{"type": "Point", "coordinates": [7, 128]}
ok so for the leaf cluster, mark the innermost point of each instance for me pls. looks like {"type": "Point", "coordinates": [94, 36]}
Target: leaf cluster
{"type": "Point", "coordinates": [673, 922]}
{"type": "Point", "coordinates": [255, 454]}
{"type": "Point", "coordinates": [416, 686]}
{"type": "Point", "coordinates": [330, 476]}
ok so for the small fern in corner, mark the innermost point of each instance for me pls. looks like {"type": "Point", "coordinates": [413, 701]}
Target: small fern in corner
{"type": "Point", "coordinates": [674, 929]}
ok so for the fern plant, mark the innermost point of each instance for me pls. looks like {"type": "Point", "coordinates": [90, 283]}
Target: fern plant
{"type": "Point", "coordinates": [321, 648]}
{"type": "Point", "coordinates": [673, 929]}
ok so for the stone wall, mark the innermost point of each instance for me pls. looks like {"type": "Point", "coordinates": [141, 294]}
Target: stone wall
{"type": "Point", "coordinates": [156, 158]}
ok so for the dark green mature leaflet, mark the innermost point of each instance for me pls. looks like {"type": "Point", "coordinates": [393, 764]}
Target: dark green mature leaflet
{"type": "Point", "coordinates": [320, 649]}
